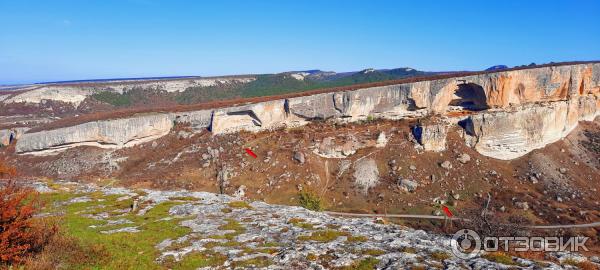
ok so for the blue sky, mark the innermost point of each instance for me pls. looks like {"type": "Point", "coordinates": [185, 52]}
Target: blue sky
{"type": "Point", "coordinates": [67, 40]}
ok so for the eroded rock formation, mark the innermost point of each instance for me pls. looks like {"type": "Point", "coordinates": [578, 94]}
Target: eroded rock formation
{"type": "Point", "coordinates": [511, 112]}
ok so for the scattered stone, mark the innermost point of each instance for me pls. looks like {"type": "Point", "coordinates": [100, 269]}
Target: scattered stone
{"type": "Point", "coordinates": [562, 170]}
{"type": "Point", "coordinates": [412, 167]}
{"type": "Point", "coordinates": [184, 134]}
{"type": "Point", "coordinates": [299, 157]}
{"type": "Point", "coordinates": [240, 193]}
{"type": "Point", "coordinates": [533, 179]}
{"type": "Point", "coordinates": [343, 167]}
{"type": "Point", "coordinates": [122, 230]}
{"type": "Point", "coordinates": [464, 158]}
{"type": "Point", "coordinates": [408, 185]}
{"type": "Point", "coordinates": [522, 205]}
{"type": "Point", "coordinates": [446, 165]}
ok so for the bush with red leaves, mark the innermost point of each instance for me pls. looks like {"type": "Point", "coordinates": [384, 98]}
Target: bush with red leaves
{"type": "Point", "coordinates": [20, 234]}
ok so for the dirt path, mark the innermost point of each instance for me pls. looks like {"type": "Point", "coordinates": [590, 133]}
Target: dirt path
{"type": "Point", "coordinates": [543, 227]}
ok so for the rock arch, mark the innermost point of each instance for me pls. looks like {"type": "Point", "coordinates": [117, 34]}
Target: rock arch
{"type": "Point", "coordinates": [468, 96]}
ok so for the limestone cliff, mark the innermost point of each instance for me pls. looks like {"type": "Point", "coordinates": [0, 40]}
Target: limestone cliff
{"type": "Point", "coordinates": [512, 112]}
{"type": "Point", "coordinates": [106, 134]}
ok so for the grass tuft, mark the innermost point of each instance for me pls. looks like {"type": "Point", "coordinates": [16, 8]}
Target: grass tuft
{"type": "Point", "coordinates": [310, 201]}
{"type": "Point", "coordinates": [240, 204]}
{"type": "Point", "coordinates": [323, 236]}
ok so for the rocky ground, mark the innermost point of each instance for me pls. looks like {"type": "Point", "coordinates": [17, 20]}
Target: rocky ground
{"type": "Point", "coordinates": [189, 230]}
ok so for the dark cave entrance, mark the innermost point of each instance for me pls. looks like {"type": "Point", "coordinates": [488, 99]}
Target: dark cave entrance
{"type": "Point", "coordinates": [470, 97]}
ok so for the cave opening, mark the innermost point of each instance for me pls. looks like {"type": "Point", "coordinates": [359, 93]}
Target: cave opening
{"type": "Point", "coordinates": [469, 97]}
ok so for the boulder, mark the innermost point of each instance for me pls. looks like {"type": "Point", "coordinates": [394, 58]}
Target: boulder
{"type": "Point", "coordinates": [366, 174]}
{"type": "Point", "coordinates": [431, 135]}
{"type": "Point", "coordinates": [299, 157]}
{"type": "Point", "coordinates": [464, 158]}
{"type": "Point", "coordinates": [381, 140]}
{"type": "Point", "coordinates": [408, 185]}
{"type": "Point", "coordinates": [446, 165]}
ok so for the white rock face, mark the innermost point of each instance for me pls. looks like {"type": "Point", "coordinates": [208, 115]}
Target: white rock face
{"type": "Point", "coordinates": [508, 135]}
{"type": "Point", "coordinates": [432, 135]}
{"type": "Point", "coordinates": [69, 95]}
{"type": "Point", "coordinates": [300, 75]}
{"type": "Point", "coordinates": [253, 117]}
{"type": "Point", "coordinates": [105, 134]}
{"type": "Point", "coordinates": [7, 136]}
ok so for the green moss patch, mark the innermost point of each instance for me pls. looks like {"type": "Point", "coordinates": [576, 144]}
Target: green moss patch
{"type": "Point", "coordinates": [323, 236]}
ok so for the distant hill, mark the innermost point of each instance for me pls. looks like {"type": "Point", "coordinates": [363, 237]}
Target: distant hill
{"type": "Point", "coordinates": [295, 81]}
{"type": "Point", "coordinates": [497, 67]}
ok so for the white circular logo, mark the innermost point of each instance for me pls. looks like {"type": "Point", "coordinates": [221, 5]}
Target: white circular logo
{"type": "Point", "coordinates": [465, 244]}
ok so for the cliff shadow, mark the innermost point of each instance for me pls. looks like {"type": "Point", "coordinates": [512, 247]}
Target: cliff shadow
{"type": "Point", "coordinates": [469, 96]}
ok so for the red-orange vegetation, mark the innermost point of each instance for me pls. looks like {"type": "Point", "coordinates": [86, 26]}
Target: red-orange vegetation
{"type": "Point", "coordinates": [20, 234]}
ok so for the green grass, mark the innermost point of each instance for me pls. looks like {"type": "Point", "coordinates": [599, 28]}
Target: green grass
{"type": "Point", "coordinates": [499, 257]}
{"type": "Point", "coordinates": [373, 252]}
{"type": "Point", "coordinates": [298, 222]}
{"type": "Point", "coordinates": [125, 250]}
{"type": "Point", "coordinates": [356, 239]}
{"type": "Point", "coordinates": [231, 225]}
{"type": "Point", "coordinates": [240, 204]}
{"type": "Point", "coordinates": [310, 201]}
{"type": "Point", "coordinates": [323, 236]}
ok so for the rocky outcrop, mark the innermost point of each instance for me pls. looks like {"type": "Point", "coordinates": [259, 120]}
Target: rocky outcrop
{"type": "Point", "coordinates": [105, 134]}
{"type": "Point", "coordinates": [570, 92]}
{"type": "Point", "coordinates": [8, 136]}
{"type": "Point", "coordinates": [431, 134]}
{"type": "Point", "coordinates": [511, 134]}
{"type": "Point", "coordinates": [253, 117]}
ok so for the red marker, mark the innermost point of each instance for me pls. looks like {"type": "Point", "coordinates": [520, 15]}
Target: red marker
{"type": "Point", "coordinates": [250, 153]}
{"type": "Point", "coordinates": [447, 211]}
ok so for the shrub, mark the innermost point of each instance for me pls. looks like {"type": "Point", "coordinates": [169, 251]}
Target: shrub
{"type": "Point", "coordinates": [310, 201]}
{"type": "Point", "coordinates": [7, 171]}
{"type": "Point", "coordinates": [20, 235]}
